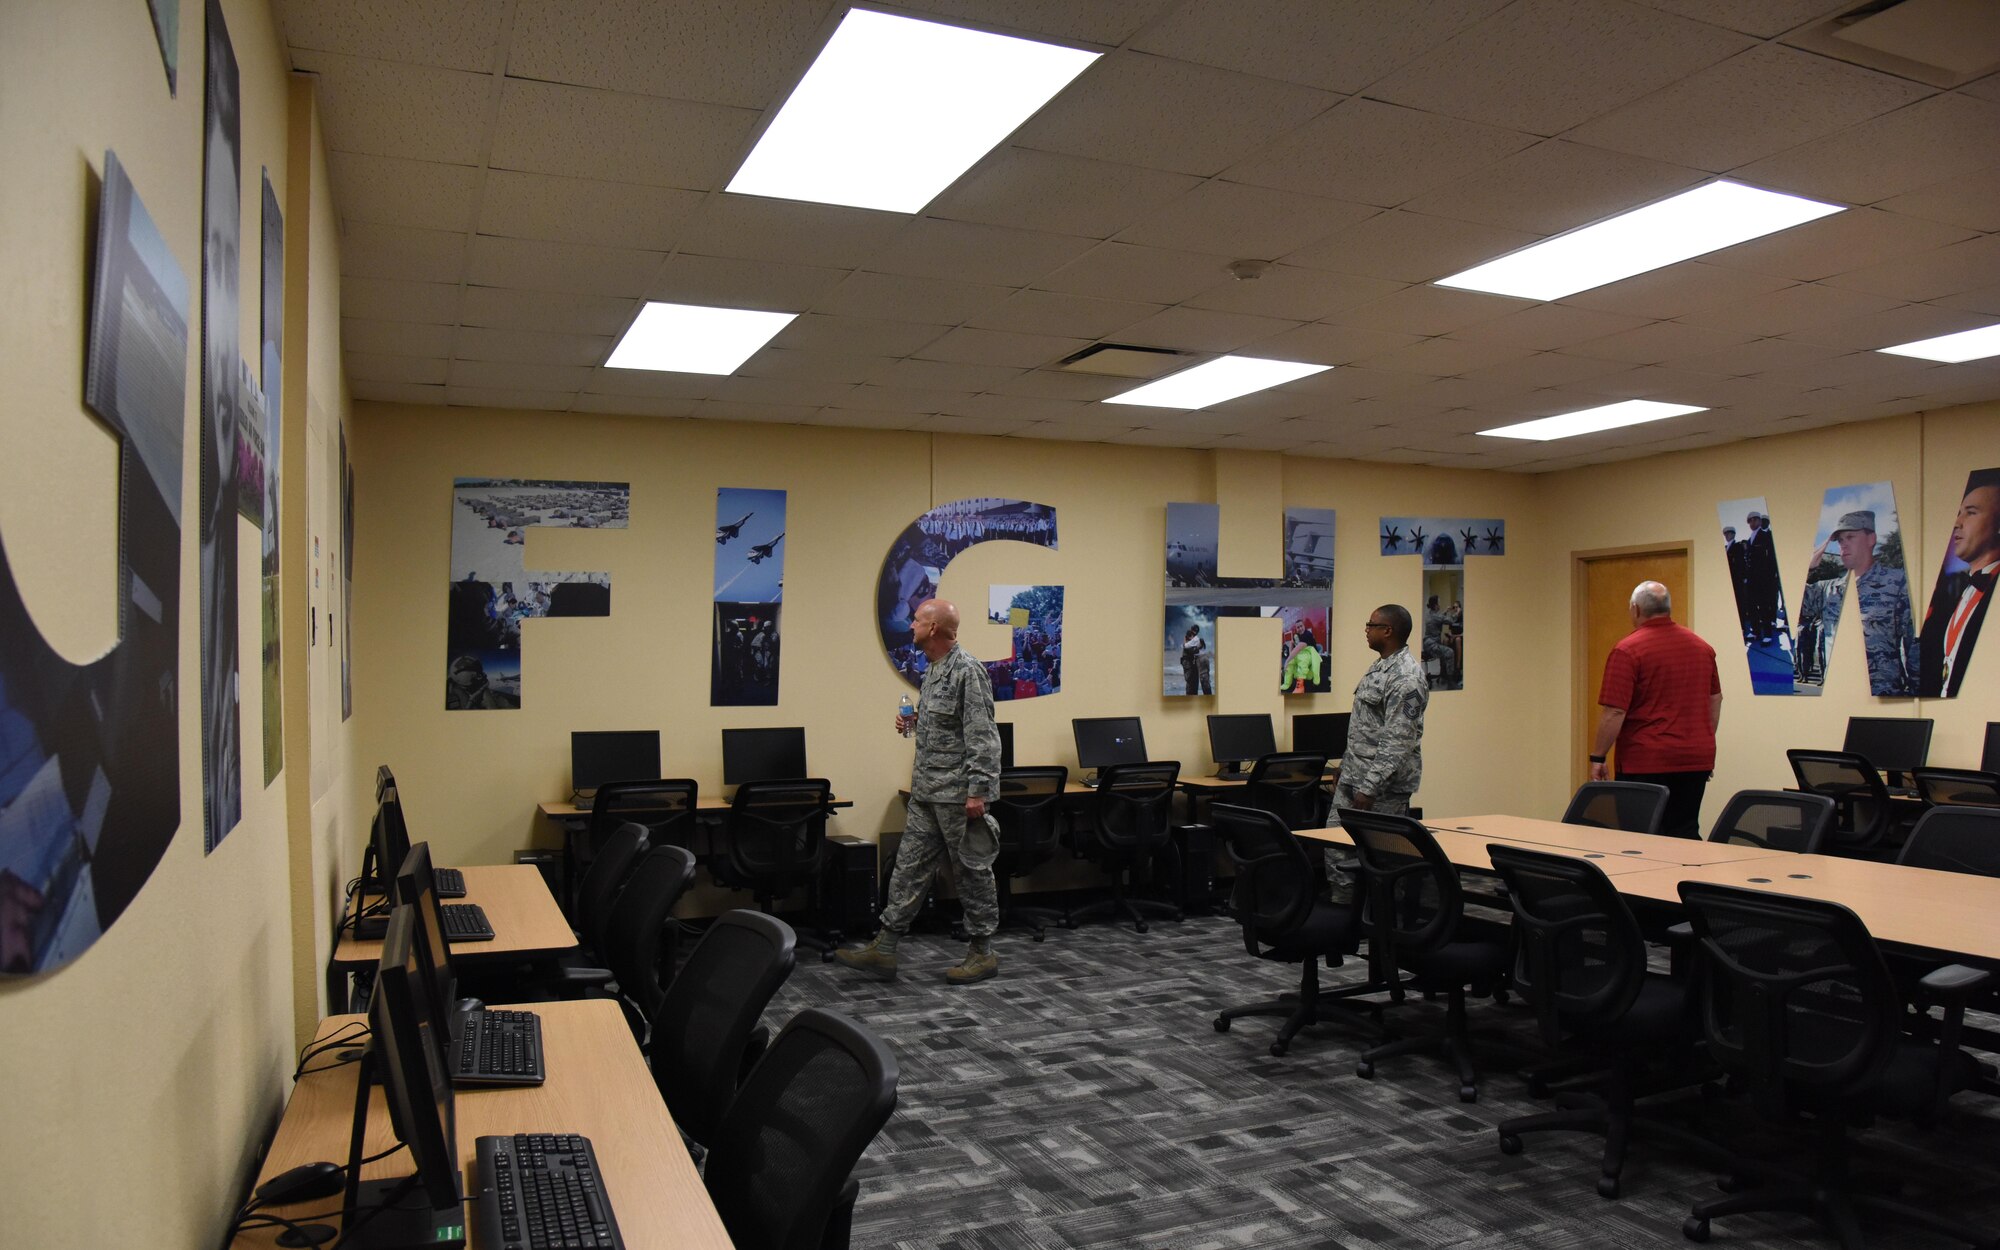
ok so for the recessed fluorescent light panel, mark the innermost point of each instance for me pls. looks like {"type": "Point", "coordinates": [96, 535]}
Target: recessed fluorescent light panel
{"type": "Point", "coordinates": [1952, 348]}
{"type": "Point", "coordinates": [687, 338]}
{"type": "Point", "coordinates": [1591, 420]}
{"type": "Point", "coordinates": [1720, 214]}
{"type": "Point", "coordinates": [895, 109]}
{"type": "Point", "coordinates": [1206, 385]}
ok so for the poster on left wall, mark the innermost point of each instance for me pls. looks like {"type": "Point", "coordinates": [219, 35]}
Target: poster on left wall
{"type": "Point", "coordinates": [221, 402]}
{"type": "Point", "coordinates": [271, 338]}
{"type": "Point", "coordinates": [90, 753]}
{"type": "Point", "coordinates": [167, 33]}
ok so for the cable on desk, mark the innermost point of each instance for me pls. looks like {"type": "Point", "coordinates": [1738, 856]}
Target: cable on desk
{"type": "Point", "coordinates": [344, 1036]}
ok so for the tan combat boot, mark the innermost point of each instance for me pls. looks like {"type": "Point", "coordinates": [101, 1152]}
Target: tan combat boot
{"type": "Point", "coordinates": [877, 959]}
{"type": "Point", "coordinates": [980, 963]}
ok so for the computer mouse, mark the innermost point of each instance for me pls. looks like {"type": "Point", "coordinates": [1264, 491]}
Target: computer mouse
{"type": "Point", "coordinates": [471, 1004]}
{"type": "Point", "coordinates": [302, 1184]}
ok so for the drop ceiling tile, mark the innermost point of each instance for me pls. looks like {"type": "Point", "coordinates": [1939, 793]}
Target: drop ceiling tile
{"type": "Point", "coordinates": [1546, 327]}
{"type": "Point", "coordinates": [456, 34]}
{"type": "Point", "coordinates": [1645, 382]}
{"type": "Point", "coordinates": [550, 312]}
{"type": "Point", "coordinates": [1143, 110]}
{"type": "Point", "coordinates": [834, 368]}
{"type": "Point", "coordinates": [761, 414]}
{"type": "Point", "coordinates": [1271, 407]}
{"type": "Point", "coordinates": [857, 419]}
{"type": "Point", "coordinates": [1969, 200]}
{"type": "Point", "coordinates": [1861, 368]}
{"type": "Point", "coordinates": [1544, 66]}
{"type": "Point", "coordinates": [901, 399]}
{"type": "Point", "coordinates": [866, 336]}
{"type": "Point", "coordinates": [403, 192]}
{"type": "Point", "coordinates": [522, 375]}
{"type": "Point", "coordinates": [1123, 272]}
{"type": "Point", "coordinates": [944, 375]}
{"type": "Point", "coordinates": [365, 366]}
{"type": "Point", "coordinates": [1026, 408]}
{"type": "Point", "coordinates": [1053, 432]}
{"type": "Point", "coordinates": [1200, 330]}
{"type": "Point", "coordinates": [993, 347]}
{"type": "Point", "coordinates": [751, 227]}
{"type": "Point", "coordinates": [1536, 370]}
{"type": "Point", "coordinates": [390, 108]}
{"type": "Point", "coordinates": [1030, 190]}
{"type": "Point", "coordinates": [396, 392]}
{"type": "Point", "coordinates": [967, 252]}
{"type": "Point", "coordinates": [1428, 310]}
{"type": "Point", "coordinates": [1107, 22]}
{"type": "Point", "coordinates": [1075, 316]}
{"type": "Point", "coordinates": [1947, 271]}
{"type": "Point", "coordinates": [1153, 437]}
{"type": "Point", "coordinates": [1052, 384]}
{"type": "Point", "coordinates": [1352, 382]}
{"type": "Point", "coordinates": [500, 397]}
{"type": "Point", "coordinates": [1982, 300]}
{"type": "Point", "coordinates": [1888, 327]}
{"type": "Point", "coordinates": [1336, 45]}
{"type": "Point", "coordinates": [374, 250]}
{"type": "Point", "coordinates": [798, 392]}
{"type": "Point", "coordinates": [1410, 247]}
{"type": "Point", "coordinates": [580, 210]}
{"type": "Point", "coordinates": [960, 423]}
{"type": "Point", "coordinates": [390, 299]}
{"type": "Point", "coordinates": [1844, 242]}
{"type": "Point", "coordinates": [1556, 186]}
{"type": "Point", "coordinates": [1660, 342]}
{"type": "Point", "coordinates": [651, 384]}
{"type": "Point", "coordinates": [1239, 220]}
{"type": "Point", "coordinates": [1676, 291]}
{"type": "Point", "coordinates": [530, 347]}
{"type": "Point", "coordinates": [741, 53]}
{"type": "Point", "coordinates": [394, 338]}
{"type": "Point", "coordinates": [577, 132]}
{"type": "Point", "coordinates": [1757, 104]}
{"type": "Point", "coordinates": [1788, 310]}
{"type": "Point", "coordinates": [1440, 357]}
{"type": "Point", "coordinates": [1333, 343]}
{"type": "Point", "coordinates": [1368, 152]}
{"type": "Point", "coordinates": [1294, 293]}
{"type": "Point", "coordinates": [633, 405]}
{"type": "Point", "coordinates": [1762, 18]}
{"type": "Point", "coordinates": [1987, 88]}
{"type": "Point", "coordinates": [908, 299]}
{"type": "Point", "coordinates": [541, 265]}
{"type": "Point", "coordinates": [718, 282]}
{"type": "Point", "coordinates": [1942, 137]}
{"type": "Point", "coordinates": [1761, 356]}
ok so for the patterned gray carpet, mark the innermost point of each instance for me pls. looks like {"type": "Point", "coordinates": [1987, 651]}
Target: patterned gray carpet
{"type": "Point", "coordinates": [1084, 1099]}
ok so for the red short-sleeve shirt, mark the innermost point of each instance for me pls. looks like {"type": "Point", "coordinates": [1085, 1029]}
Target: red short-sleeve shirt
{"type": "Point", "coordinates": [1662, 675]}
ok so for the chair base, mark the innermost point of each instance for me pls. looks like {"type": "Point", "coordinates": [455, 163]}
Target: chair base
{"type": "Point", "coordinates": [1454, 1042]}
{"type": "Point", "coordinates": [1134, 909]}
{"type": "Point", "coordinates": [1615, 1121]}
{"type": "Point", "coordinates": [1312, 1006]}
{"type": "Point", "coordinates": [1035, 919]}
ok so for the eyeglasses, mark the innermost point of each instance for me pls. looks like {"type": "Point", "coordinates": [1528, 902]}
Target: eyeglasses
{"type": "Point", "coordinates": [1375, 625]}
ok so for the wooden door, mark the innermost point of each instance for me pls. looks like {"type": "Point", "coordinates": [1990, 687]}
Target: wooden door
{"type": "Point", "coordinates": [1603, 586]}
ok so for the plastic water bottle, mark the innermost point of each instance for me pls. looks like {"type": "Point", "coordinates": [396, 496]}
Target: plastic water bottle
{"type": "Point", "coordinates": [905, 710]}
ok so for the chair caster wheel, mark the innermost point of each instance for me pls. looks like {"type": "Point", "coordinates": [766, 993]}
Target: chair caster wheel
{"type": "Point", "coordinates": [1365, 1070]}
{"type": "Point", "coordinates": [1039, 935]}
{"type": "Point", "coordinates": [1222, 1024]}
{"type": "Point", "coordinates": [1607, 1187]}
{"type": "Point", "coordinates": [1510, 1144]}
{"type": "Point", "coordinates": [1500, 997]}
{"type": "Point", "coordinates": [1468, 1093]}
{"type": "Point", "coordinates": [1278, 1049]}
{"type": "Point", "coordinates": [1141, 926]}
{"type": "Point", "coordinates": [1694, 1228]}
{"type": "Point", "coordinates": [1729, 1184]}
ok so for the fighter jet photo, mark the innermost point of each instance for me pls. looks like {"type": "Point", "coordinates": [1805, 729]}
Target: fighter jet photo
{"type": "Point", "coordinates": [760, 552]}
{"type": "Point", "coordinates": [723, 533]}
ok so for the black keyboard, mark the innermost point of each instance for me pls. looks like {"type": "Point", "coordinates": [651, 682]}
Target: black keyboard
{"type": "Point", "coordinates": [450, 882]}
{"type": "Point", "coordinates": [1231, 774]}
{"type": "Point", "coordinates": [465, 922]}
{"type": "Point", "coordinates": [498, 1048]}
{"type": "Point", "coordinates": [541, 1192]}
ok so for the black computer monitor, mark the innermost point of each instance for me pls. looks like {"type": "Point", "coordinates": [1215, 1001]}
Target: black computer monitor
{"type": "Point", "coordinates": [1102, 741]}
{"type": "Point", "coordinates": [1893, 744]}
{"type": "Point", "coordinates": [600, 755]}
{"type": "Point", "coordinates": [1006, 745]}
{"type": "Point", "coordinates": [1322, 733]}
{"type": "Point", "coordinates": [1989, 759]}
{"type": "Point", "coordinates": [404, 1051]}
{"type": "Point", "coordinates": [763, 755]}
{"type": "Point", "coordinates": [1232, 739]}
{"type": "Point", "coordinates": [416, 889]}
{"type": "Point", "coordinates": [385, 781]}
{"type": "Point", "coordinates": [390, 835]}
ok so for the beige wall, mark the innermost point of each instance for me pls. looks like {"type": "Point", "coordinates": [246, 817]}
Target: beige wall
{"type": "Point", "coordinates": [160, 1057]}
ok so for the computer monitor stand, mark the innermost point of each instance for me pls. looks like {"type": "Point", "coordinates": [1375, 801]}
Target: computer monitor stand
{"type": "Point", "coordinates": [377, 1215]}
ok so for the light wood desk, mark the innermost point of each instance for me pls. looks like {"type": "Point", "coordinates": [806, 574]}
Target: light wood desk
{"type": "Point", "coordinates": [1555, 835]}
{"type": "Point", "coordinates": [564, 810]}
{"type": "Point", "coordinates": [1468, 850]}
{"type": "Point", "coordinates": [598, 1085]}
{"type": "Point", "coordinates": [526, 922]}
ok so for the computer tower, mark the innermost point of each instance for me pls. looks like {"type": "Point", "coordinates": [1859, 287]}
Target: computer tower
{"type": "Point", "coordinates": [1195, 892]}
{"type": "Point", "coordinates": [848, 888]}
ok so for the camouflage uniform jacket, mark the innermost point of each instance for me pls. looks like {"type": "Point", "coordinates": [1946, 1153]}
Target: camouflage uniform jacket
{"type": "Point", "coordinates": [958, 745]}
{"type": "Point", "coordinates": [1385, 737]}
{"type": "Point", "coordinates": [1884, 596]}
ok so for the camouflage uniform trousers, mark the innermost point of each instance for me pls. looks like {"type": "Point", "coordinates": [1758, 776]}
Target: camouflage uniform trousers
{"type": "Point", "coordinates": [931, 830]}
{"type": "Point", "coordinates": [1386, 804]}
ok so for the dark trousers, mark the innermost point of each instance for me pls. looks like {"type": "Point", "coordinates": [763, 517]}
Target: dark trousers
{"type": "Point", "coordinates": [1683, 816]}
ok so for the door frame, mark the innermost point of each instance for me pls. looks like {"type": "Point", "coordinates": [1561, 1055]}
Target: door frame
{"type": "Point", "coordinates": [1583, 719]}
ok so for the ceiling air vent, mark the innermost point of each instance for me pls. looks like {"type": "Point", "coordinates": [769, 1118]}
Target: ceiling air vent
{"type": "Point", "coordinates": [1122, 360]}
{"type": "Point", "coordinates": [1940, 42]}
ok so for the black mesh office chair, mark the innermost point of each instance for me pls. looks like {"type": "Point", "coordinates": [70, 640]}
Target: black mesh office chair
{"type": "Point", "coordinates": [1415, 922]}
{"type": "Point", "coordinates": [705, 1033]}
{"type": "Point", "coordinates": [1799, 1005]}
{"type": "Point", "coordinates": [1287, 918]}
{"type": "Point", "coordinates": [1956, 839]}
{"type": "Point", "coordinates": [665, 809]}
{"type": "Point", "coordinates": [1130, 827]}
{"type": "Point", "coordinates": [639, 940]}
{"type": "Point", "coordinates": [1861, 800]}
{"type": "Point", "coordinates": [1957, 787]}
{"type": "Point", "coordinates": [1581, 964]}
{"type": "Point", "coordinates": [777, 842]}
{"type": "Point", "coordinates": [1628, 806]}
{"type": "Point", "coordinates": [1781, 820]}
{"type": "Point", "coordinates": [616, 859]}
{"type": "Point", "coordinates": [1287, 785]}
{"type": "Point", "coordinates": [1029, 813]}
{"type": "Point", "coordinates": [780, 1167]}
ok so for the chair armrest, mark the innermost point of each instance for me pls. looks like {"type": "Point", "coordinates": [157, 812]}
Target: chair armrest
{"type": "Point", "coordinates": [1953, 982]}
{"type": "Point", "coordinates": [1682, 932]}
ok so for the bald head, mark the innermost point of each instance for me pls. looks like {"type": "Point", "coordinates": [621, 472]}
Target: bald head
{"type": "Point", "coordinates": [934, 627]}
{"type": "Point", "coordinates": [1650, 599]}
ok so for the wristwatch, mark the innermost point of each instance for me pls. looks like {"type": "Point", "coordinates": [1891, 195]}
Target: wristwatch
{"type": "Point", "coordinates": [1597, 759]}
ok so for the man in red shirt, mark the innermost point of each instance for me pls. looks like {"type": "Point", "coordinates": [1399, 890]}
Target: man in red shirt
{"type": "Point", "coordinates": [1661, 702]}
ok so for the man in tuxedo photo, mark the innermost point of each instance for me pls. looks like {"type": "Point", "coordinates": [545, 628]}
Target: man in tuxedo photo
{"type": "Point", "coordinates": [1964, 586]}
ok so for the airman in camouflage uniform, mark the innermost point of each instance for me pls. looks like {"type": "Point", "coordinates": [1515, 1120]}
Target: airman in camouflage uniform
{"type": "Point", "coordinates": [1887, 621]}
{"type": "Point", "coordinates": [956, 773]}
{"type": "Point", "coordinates": [1385, 759]}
